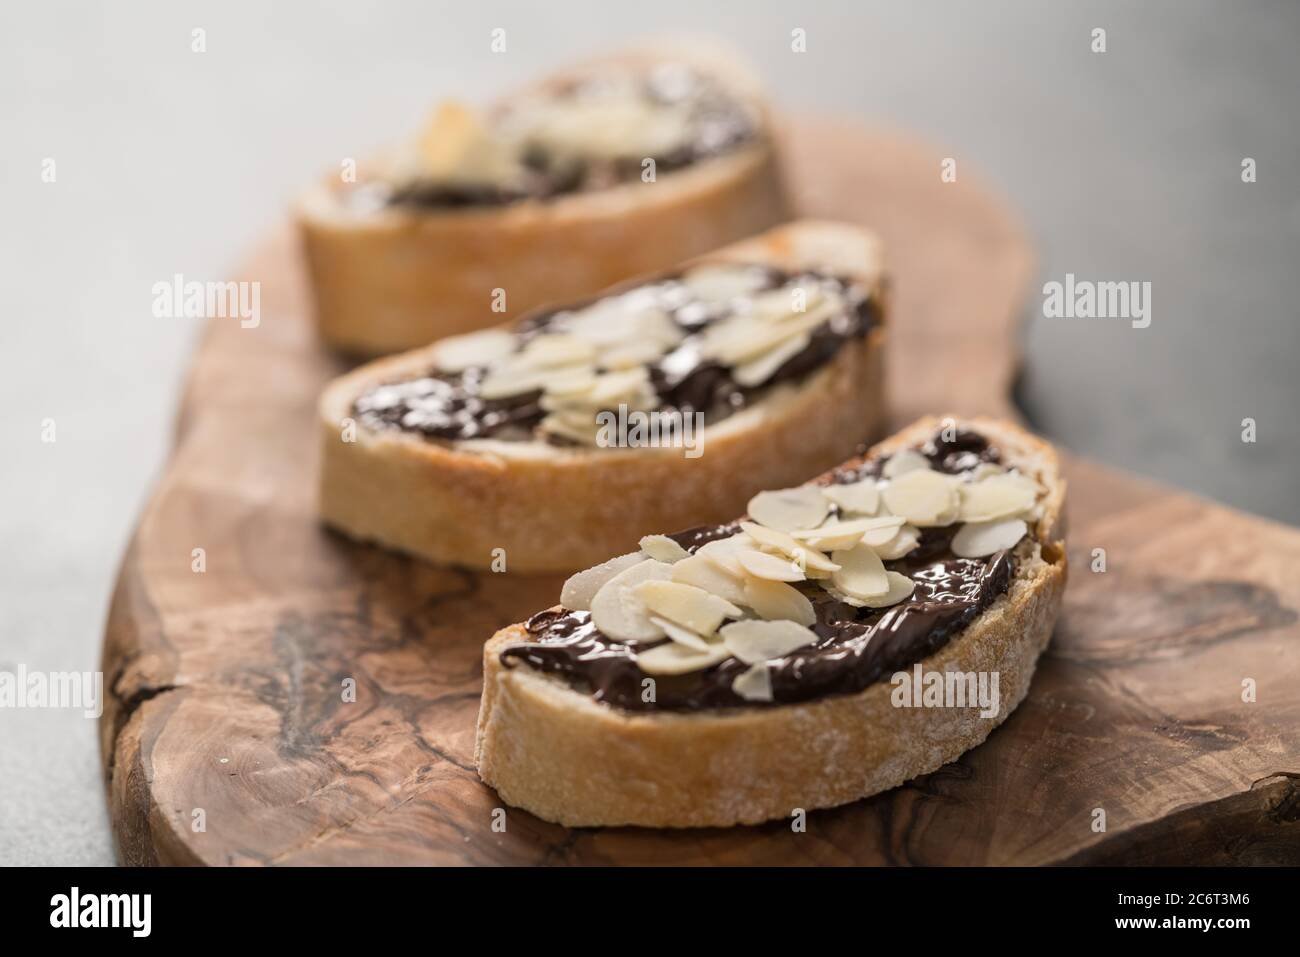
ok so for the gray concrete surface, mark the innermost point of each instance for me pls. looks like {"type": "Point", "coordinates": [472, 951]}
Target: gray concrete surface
{"type": "Point", "coordinates": [1125, 165]}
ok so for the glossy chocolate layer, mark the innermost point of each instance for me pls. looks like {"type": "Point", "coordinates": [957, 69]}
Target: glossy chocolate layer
{"type": "Point", "coordinates": [447, 405]}
{"type": "Point", "coordinates": [717, 123]}
{"type": "Point", "coordinates": [858, 646]}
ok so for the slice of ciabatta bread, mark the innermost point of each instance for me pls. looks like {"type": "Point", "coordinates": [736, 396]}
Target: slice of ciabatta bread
{"type": "Point", "coordinates": [717, 745]}
{"type": "Point", "coordinates": [389, 276]}
{"type": "Point", "coordinates": [549, 499]}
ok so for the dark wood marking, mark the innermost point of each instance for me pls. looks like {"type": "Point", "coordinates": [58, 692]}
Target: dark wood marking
{"type": "Point", "coordinates": [226, 687]}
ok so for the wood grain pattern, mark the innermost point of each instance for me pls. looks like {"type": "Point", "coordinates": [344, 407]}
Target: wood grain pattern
{"type": "Point", "coordinates": [225, 686]}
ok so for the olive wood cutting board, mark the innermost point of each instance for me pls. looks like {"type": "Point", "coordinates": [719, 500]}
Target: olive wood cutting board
{"type": "Point", "coordinates": [226, 739]}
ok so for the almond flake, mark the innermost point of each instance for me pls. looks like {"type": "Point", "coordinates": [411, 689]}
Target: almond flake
{"type": "Point", "coordinates": [619, 613]}
{"type": "Point", "coordinates": [802, 553]}
{"type": "Point", "coordinates": [507, 380]}
{"type": "Point", "coordinates": [908, 537]}
{"type": "Point", "coordinates": [742, 338]}
{"type": "Point", "coordinates": [752, 641]}
{"type": "Point", "coordinates": [780, 303]}
{"type": "Point", "coordinates": [721, 282]}
{"type": "Point", "coordinates": [924, 497]}
{"type": "Point", "coordinates": [663, 549]}
{"type": "Point", "coordinates": [476, 349]}
{"type": "Point", "coordinates": [754, 683]}
{"type": "Point", "coordinates": [555, 349]}
{"type": "Point", "coordinates": [568, 383]}
{"type": "Point", "coordinates": [776, 600]}
{"type": "Point", "coordinates": [788, 509]}
{"type": "Point", "coordinates": [688, 605]}
{"type": "Point", "coordinates": [861, 574]}
{"type": "Point", "coordinates": [900, 588]}
{"type": "Point", "coordinates": [757, 371]}
{"type": "Point", "coordinates": [723, 551]}
{"type": "Point", "coordinates": [771, 567]}
{"type": "Point", "coordinates": [856, 498]}
{"type": "Point", "coordinates": [981, 539]}
{"type": "Point", "coordinates": [699, 571]}
{"type": "Point", "coordinates": [612, 386]}
{"type": "Point", "coordinates": [904, 461]}
{"type": "Point", "coordinates": [842, 535]}
{"type": "Point", "coordinates": [629, 355]}
{"type": "Point", "coordinates": [578, 591]}
{"type": "Point", "coordinates": [583, 431]}
{"type": "Point", "coordinates": [683, 636]}
{"type": "Point", "coordinates": [673, 658]}
{"type": "Point", "coordinates": [1000, 496]}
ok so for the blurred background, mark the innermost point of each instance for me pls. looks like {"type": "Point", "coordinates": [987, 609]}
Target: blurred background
{"type": "Point", "coordinates": [1124, 166]}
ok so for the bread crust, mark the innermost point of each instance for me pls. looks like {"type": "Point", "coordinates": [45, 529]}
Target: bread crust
{"type": "Point", "coordinates": [561, 755]}
{"type": "Point", "coordinates": [399, 278]}
{"type": "Point", "coordinates": [554, 509]}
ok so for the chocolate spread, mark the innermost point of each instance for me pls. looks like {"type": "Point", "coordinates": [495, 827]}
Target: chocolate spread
{"type": "Point", "coordinates": [447, 406]}
{"type": "Point", "coordinates": [857, 646]}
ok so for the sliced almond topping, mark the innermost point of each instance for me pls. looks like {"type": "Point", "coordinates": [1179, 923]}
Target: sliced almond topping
{"type": "Point", "coordinates": [581, 429]}
{"type": "Point", "coordinates": [776, 600]}
{"type": "Point", "coordinates": [758, 370]}
{"type": "Point", "coordinates": [861, 574]}
{"type": "Point", "coordinates": [663, 549]}
{"type": "Point", "coordinates": [688, 605]}
{"type": "Point", "coordinates": [842, 535]}
{"type": "Point", "coordinates": [673, 658]}
{"type": "Point", "coordinates": [476, 349]}
{"type": "Point", "coordinates": [506, 381]}
{"type": "Point", "coordinates": [982, 471]}
{"type": "Point", "coordinates": [754, 683]}
{"type": "Point", "coordinates": [699, 571]}
{"type": "Point", "coordinates": [980, 539]}
{"type": "Point", "coordinates": [720, 282]}
{"type": "Point", "coordinates": [625, 386]}
{"type": "Point", "coordinates": [683, 636]}
{"type": "Point", "coordinates": [619, 613]}
{"type": "Point", "coordinates": [856, 498]}
{"type": "Point", "coordinates": [788, 509]}
{"type": "Point", "coordinates": [451, 136]}
{"type": "Point", "coordinates": [900, 588]}
{"type": "Point", "coordinates": [907, 538]}
{"type": "Point", "coordinates": [782, 303]}
{"type": "Point", "coordinates": [904, 461]}
{"type": "Point", "coordinates": [579, 590]}
{"type": "Point", "coordinates": [999, 496]}
{"type": "Point", "coordinates": [629, 355]}
{"type": "Point", "coordinates": [723, 551]}
{"type": "Point", "coordinates": [743, 338]}
{"type": "Point", "coordinates": [620, 321]}
{"type": "Point", "coordinates": [924, 497]}
{"type": "Point", "coordinates": [555, 349]}
{"type": "Point", "coordinates": [753, 640]}
{"type": "Point", "coordinates": [802, 553]}
{"type": "Point", "coordinates": [567, 383]}
{"type": "Point", "coordinates": [771, 567]}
